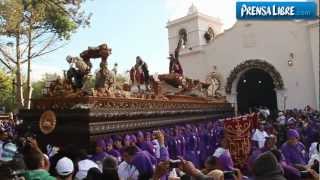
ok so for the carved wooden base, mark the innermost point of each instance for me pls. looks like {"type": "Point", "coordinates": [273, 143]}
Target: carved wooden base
{"type": "Point", "coordinates": [80, 121]}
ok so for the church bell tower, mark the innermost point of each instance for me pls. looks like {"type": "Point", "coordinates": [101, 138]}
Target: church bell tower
{"type": "Point", "coordinates": [200, 30]}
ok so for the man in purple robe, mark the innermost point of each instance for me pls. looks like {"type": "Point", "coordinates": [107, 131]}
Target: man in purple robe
{"type": "Point", "coordinates": [290, 172]}
{"type": "Point", "coordinates": [100, 153]}
{"type": "Point", "coordinates": [133, 140]}
{"type": "Point", "coordinates": [203, 143]}
{"type": "Point", "coordinates": [192, 147]}
{"type": "Point", "coordinates": [117, 143]}
{"type": "Point", "coordinates": [174, 144]}
{"type": "Point", "coordinates": [308, 131]}
{"type": "Point", "coordinates": [270, 144]}
{"type": "Point", "coordinates": [126, 141]}
{"type": "Point", "coordinates": [224, 157]}
{"type": "Point", "coordinates": [142, 160]}
{"type": "Point", "coordinates": [294, 151]}
{"type": "Point", "coordinates": [110, 150]}
{"type": "Point", "coordinates": [143, 144]}
{"type": "Point", "coordinates": [182, 141]}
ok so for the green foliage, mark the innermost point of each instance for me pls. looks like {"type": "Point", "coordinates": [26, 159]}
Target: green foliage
{"type": "Point", "coordinates": [6, 90]}
{"type": "Point", "coordinates": [38, 86]}
{"type": "Point", "coordinates": [53, 16]}
{"type": "Point", "coordinates": [121, 79]}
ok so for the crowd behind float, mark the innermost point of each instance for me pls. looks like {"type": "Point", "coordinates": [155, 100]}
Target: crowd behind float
{"type": "Point", "coordinates": [283, 147]}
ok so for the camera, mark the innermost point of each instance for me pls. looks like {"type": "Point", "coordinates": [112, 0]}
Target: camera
{"type": "Point", "coordinates": [174, 163]}
{"type": "Point", "coordinates": [229, 174]}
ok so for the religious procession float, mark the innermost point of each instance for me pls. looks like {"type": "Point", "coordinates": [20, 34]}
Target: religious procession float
{"type": "Point", "coordinates": [73, 112]}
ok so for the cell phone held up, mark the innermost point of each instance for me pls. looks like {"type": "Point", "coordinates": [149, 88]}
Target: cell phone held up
{"type": "Point", "coordinates": [174, 163]}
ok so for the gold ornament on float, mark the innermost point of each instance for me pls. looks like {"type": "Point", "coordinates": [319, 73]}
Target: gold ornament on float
{"type": "Point", "coordinates": [47, 122]}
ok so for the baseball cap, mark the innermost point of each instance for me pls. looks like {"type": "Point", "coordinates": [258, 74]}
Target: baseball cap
{"type": "Point", "coordinates": [64, 166]}
{"type": "Point", "coordinates": [84, 166]}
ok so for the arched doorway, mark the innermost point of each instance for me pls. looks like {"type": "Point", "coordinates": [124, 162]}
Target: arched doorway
{"type": "Point", "coordinates": [255, 68]}
{"type": "Point", "coordinates": [255, 88]}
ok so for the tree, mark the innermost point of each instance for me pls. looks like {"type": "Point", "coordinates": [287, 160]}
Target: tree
{"type": "Point", "coordinates": [6, 88]}
{"type": "Point", "coordinates": [33, 28]}
{"type": "Point", "coordinates": [39, 86]}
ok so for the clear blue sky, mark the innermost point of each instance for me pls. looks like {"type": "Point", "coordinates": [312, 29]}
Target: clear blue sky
{"type": "Point", "coordinates": [130, 28]}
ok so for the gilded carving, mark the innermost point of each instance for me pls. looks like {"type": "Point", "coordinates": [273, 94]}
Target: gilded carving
{"type": "Point", "coordinates": [47, 122]}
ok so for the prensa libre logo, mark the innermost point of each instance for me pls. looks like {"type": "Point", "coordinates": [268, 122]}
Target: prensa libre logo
{"type": "Point", "coordinates": [276, 10]}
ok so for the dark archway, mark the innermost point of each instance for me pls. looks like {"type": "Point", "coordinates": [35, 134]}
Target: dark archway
{"type": "Point", "coordinates": [256, 88]}
{"type": "Point", "coordinates": [254, 64]}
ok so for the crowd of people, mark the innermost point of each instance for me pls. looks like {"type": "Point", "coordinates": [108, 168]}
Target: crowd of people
{"type": "Point", "coordinates": [286, 147]}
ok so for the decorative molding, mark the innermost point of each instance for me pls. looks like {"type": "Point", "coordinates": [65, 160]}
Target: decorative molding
{"type": "Point", "coordinates": [255, 64]}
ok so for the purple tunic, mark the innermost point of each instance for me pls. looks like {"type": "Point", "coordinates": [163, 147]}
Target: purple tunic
{"type": "Point", "coordinates": [99, 156]}
{"type": "Point", "coordinates": [290, 172]}
{"type": "Point", "coordinates": [174, 145]}
{"type": "Point", "coordinates": [225, 161]}
{"type": "Point", "coordinates": [146, 146]}
{"type": "Point", "coordinates": [191, 149]}
{"type": "Point", "coordinates": [114, 153]}
{"type": "Point", "coordinates": [294, 154]}
{"type": "Point", "coordinates": [143, 163]}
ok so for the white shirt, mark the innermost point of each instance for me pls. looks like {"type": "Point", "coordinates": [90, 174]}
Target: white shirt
{"type": "Point", "coordinates": [156, 147]}
{"type": "Point", "coordinates": [313, 149]}
{"type": "Point", "coordinates": [127, 171]}
{"type": "Point", "coordinates": [314, 154]}
{"type": "Point", "coordinates": [260, 137]}
{"type": "Point", "coordinates": [282, 120]}
{"type": "Point", "coordinates": [1, 143]}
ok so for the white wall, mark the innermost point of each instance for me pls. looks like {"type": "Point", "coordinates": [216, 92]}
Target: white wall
{"type": "Point", "coordinates": [272, 41]}
{"type": "Point", "coordinates": [314, 43]}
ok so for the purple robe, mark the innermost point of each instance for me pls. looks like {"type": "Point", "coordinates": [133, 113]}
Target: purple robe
{"type": "Point", "coordinates": [225, 161]}
{"type": "Point", "coordinates": [174, 149]}
{"type": "Point", "coordinates": [182, 141]}
{"type": "Point", "coordinates": [143, 163]}
{"type": "Point", "coordinates": [290, 172]}
{"type": "Point", "coordinates": [114, 153]}
{"type": "Point", "coordinates": [192, 148]}
{"type": "Point", "coordinates": [99, 156]}
{"type": "Point", "coordinates": [309, 134]}
{"type": "Point", "coordinates": [146, 146]}
{"type": "Point", "coordinates": [294, 154]}
{"type": "Point", "coordinates": [203, 145]}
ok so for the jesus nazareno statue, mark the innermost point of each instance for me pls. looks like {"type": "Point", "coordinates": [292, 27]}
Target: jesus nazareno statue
{"type": "Point", "coordinates": [175, 66]}
{"type": "Point", "coordinates": [139, 74]}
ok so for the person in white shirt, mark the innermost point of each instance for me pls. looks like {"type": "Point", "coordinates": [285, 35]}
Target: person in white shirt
{"type": "Point", "coordinates": [259, 136]}
{"type": "Point", "coordinates": [281, 119]}
{"type": "Point", "coordinates": [127, 171]}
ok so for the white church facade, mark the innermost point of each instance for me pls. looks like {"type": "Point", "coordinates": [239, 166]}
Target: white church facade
{"type": "Point", "coordinates": [280, 56]}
